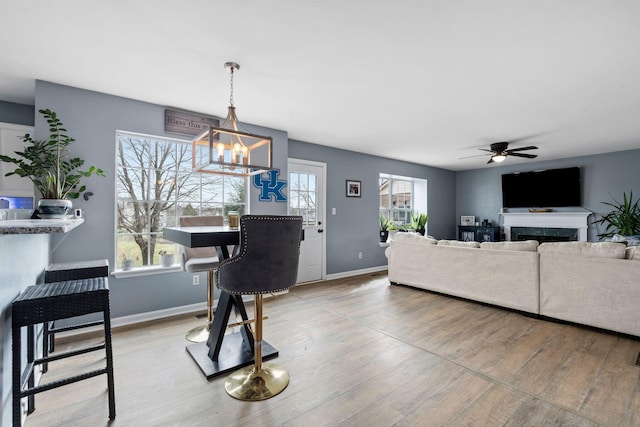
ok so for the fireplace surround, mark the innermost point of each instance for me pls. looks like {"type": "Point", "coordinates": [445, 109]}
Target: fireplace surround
{"type": "Point", "coordinates": [547, 226]}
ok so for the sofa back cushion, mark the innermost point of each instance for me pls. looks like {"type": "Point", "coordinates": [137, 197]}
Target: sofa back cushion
{"type": "Point", "coordinates": [589, 249]}
{"type": "Point", "coordinates": [415, 237]}
{"type": "Point", "coordinates": [633, 253]}
{"type": "Point", "coordinates": [523, 245]}
{"type": "Point", "coordinates": [458, 244]}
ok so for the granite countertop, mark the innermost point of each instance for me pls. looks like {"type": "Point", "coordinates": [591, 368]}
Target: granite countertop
{"type": "Point", "coordinates": [39, 226]}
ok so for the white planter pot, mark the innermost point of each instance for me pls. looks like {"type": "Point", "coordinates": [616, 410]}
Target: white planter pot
{"type": "Point", "coordinates": [167, 260]}
{"type": "Point", "coordinates": [54, 208]}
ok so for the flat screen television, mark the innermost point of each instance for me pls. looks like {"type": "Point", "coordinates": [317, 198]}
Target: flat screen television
{"type": "Point", "coordinates": [542, 189]}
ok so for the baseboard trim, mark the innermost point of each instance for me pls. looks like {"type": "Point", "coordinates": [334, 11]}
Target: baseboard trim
{"type": "Point", "coordinates": [159, 314]}
{"type": "Point", "coordinates": [202, 307]}
{"type": "Point", "coordinates": [356, 272]}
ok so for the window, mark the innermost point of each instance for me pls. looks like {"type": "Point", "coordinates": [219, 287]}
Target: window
{"type": "Point", "coordinates": [399, 196]}
{"type": "Point", "coordinates": [302, 196]}
{"type": "Point", "coordinates": [155, 186]}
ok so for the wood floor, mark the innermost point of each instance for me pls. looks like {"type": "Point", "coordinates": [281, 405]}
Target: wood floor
{"type": "Point", "coordinates": [363, 353]}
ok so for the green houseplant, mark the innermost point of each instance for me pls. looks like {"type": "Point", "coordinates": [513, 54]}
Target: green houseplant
{"type": "Point", "coordinates": [419, 222]}
{"type": "Point", "coordinates": [385, 226]}
{"type": "Point", "coordinates": [624, 219]}
{"type": "Point", "coordinates": [47, 163]}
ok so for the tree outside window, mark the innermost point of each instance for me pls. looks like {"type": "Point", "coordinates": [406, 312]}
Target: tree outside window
{"type": "Point", "coordinates": [155, 186]}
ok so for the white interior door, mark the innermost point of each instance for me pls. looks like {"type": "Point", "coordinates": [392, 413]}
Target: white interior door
{"type": "Point", "coordinates": [306, 198]}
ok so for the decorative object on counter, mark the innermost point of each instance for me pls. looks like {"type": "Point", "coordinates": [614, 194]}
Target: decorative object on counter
{"type": "Point", "coordinates": [47, 164]}
{"type": "Point", "coordinates": [234, 219]}
{"type": "Point", "coordinates": [624, 219]}
{"type": "Point", "coordinates": [419, 222]}
{"type": "Point", "coordinates": [467, 220]}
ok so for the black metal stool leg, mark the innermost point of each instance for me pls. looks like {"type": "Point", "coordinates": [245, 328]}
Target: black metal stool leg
{"type": "Point", "coordinates": [109, 353]}
{"type": "Point", "coordinates": [16, 383]}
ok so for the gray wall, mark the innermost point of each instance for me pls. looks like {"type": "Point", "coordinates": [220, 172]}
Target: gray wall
{"type": "Point", "coordinates": [92, 119]}
{"type": "Point", "coordinates": [23, 258]}
{"type": "Point", "coordinates": [354, 228]}
{"type": "Point", "coordinates": [479, 191]}
{"type": "Point", "coordinates": [19, 114]}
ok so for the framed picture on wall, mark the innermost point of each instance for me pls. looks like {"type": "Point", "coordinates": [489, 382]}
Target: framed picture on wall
{"type": "Point", "coordinates": [467, 220]}
{"type": "Point", "coordinates": [353, 188]}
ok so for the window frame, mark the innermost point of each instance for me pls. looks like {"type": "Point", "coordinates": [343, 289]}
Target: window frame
{"type": "Point", "coordinates": [202, 198]}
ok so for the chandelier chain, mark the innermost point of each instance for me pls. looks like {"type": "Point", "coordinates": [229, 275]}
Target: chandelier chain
{"type": "Point", "coordinates": [231, 87]}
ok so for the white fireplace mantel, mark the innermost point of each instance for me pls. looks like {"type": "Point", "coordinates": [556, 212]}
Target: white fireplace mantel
{"type": "Point", "coordinates": [560, 219]}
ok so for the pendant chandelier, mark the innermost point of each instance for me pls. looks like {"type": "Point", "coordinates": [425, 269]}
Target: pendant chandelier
{"type": "Point", "coordinates": [228, 149]}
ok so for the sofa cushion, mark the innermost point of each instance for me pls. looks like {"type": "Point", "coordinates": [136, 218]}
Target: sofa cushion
{"type": "Point", "coordinates": [458, 244]}
{"type": "Point", "coordinates": [523, 245]}
{"type": "Point", "coordinates": [633, 253]}
{"type": "Point", "coordinates": [590, 249]}
{"type": "Point", "coordinates": [415, 237]}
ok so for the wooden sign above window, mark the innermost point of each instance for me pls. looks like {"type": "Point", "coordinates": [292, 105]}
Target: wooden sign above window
{"type": "Point", "coordinates": [185, 123]}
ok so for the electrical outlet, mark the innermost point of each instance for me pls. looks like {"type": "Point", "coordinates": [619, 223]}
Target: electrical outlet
{"type": "Point", "coordinates": [196, 279]}
{"type": "Point", "coordinates": [359, 255]}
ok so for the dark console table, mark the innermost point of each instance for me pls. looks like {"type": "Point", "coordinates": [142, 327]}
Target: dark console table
{"type": "Point", "coordinates": [470, 233]}
{"type": "Point", "coordinates": [222, 353]}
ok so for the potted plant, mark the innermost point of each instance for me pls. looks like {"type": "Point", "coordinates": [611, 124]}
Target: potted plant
{"type": "Point", "coordinates": [419, 222]}
{"type": "Point", "coordinates": [166, 259]}
{"type": "Point", "coordinates": [385, 223]}
{"type": "Point", "coordinates": [48, 165]}
{"type": "Point", "coordinates": [624, 219]}
{"type": "Point", "coordinates": [393, 229]}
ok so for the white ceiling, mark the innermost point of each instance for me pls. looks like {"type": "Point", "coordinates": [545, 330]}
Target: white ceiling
{"type": "Point", "coordinates": [426, 81]}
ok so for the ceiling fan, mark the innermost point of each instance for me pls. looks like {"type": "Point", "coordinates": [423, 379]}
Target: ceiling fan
{"type": "Point", "coordinates": [500, 150]}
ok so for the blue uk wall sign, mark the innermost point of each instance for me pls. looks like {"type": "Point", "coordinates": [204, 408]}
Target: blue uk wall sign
{"type": "Point", "coordinates": [270, 186]}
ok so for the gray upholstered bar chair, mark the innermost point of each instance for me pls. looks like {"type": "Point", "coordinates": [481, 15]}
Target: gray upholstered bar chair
{"type": "Point", "coordinates": [267, 261]}
{"type": "Point", "coordinates": [195, 260]}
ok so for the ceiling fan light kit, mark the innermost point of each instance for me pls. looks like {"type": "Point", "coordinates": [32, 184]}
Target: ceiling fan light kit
{"type": "Point", "coordinates": [500, 150]}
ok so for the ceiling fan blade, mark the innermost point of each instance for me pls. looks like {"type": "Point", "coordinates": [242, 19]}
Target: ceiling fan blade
{"type": "Point", "coordinates": [531, 147]}
{"type": "Point", "coordinates": [524, 138]}
{"type": "Point", "coordinates": [484, 149]}
{"type": "Point", "coordinates": [490, 160]}
{"type": "Point", "coordinates": [528, 156]}
{"type": "Point", "coordinates": [477, 155]}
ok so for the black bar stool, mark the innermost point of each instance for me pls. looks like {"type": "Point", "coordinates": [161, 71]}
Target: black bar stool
{"type": "Point", "coordinates": [41, 304]}
{"type": "Point", "coordinates": [62, 272]}
{"type": "Point", "coordinates": [266, 262]}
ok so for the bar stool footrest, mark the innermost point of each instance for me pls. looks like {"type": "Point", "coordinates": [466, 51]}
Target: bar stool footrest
{"type": "Point", "coordinates": [59, 383]}
{"type": "Point", "coordinates": [74, 327]}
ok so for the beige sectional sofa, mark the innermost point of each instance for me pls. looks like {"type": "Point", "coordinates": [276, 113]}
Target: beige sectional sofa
{"type": "Point", "coordinates": [596, 284]}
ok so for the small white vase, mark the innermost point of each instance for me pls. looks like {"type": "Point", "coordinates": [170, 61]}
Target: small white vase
{"type": "Point", "coordinates": [167, 260]}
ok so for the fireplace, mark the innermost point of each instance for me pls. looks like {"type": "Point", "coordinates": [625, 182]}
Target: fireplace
{"type": "Point", "coordinates": [546, 226]}
{"type": "Point", "coordinates": [544, 234]}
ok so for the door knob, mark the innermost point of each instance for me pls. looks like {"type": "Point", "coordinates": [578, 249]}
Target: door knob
{"type": "Point", "coordinates": [320, 230]}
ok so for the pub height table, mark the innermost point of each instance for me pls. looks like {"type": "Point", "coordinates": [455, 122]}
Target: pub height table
{"type": "Point", "coordinates": [222, 353]}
